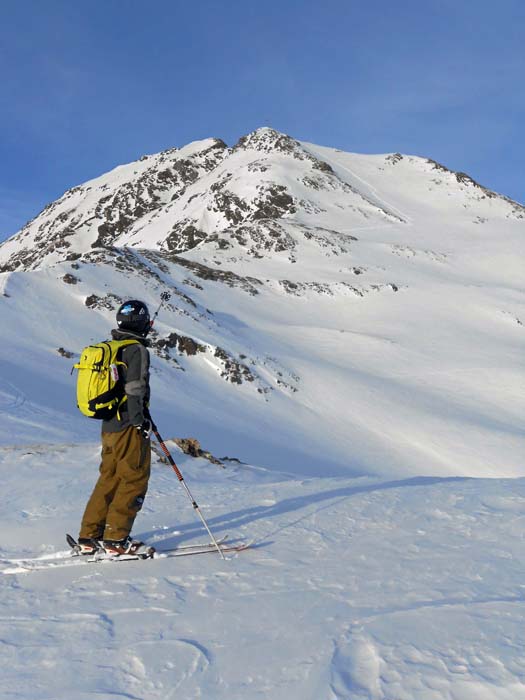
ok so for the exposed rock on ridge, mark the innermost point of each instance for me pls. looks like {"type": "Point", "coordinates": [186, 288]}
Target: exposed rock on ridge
{"type": "Point", "coordinates": [180, 199]}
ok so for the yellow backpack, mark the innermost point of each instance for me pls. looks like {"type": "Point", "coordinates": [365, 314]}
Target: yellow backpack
{"type": "Point", "coordinates": [100, 390]}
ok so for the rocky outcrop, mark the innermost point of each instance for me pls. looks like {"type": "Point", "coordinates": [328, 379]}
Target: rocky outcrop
{"type": "Point", "coordinates": [191, 447]}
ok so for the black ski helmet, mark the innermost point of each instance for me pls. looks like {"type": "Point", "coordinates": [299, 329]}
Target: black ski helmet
{"type": "Point", "coordinates": [133, 316]}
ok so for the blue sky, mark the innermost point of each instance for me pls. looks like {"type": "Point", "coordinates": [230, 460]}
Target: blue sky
{"type": "Point", "coordinates": [87, 86]}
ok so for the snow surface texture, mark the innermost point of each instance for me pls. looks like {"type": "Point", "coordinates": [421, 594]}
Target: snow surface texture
{"type": "Point", "coordinates": [352, 325]}
{"type": "Point", "coordinates": [355, 589]}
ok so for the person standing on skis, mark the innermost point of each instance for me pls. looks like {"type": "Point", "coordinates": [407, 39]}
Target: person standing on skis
{"type": "Point", "coordinates": [126, 449]}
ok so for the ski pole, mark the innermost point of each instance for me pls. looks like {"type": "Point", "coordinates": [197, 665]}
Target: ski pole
{"type": "Point", "coordinates": [165, 296]}
{"type": "Point", "coordinates": [181, 479]}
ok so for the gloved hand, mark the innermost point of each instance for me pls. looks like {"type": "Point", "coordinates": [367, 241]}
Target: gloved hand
{"type": "Point", "coordinates": [144, 428]}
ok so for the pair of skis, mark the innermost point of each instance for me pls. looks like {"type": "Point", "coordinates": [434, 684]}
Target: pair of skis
{"type": "Point", "coordinates": [73, 558]}
{"type": "Point", "coordinates": [151, 552]}
{"type": "Point", "coordinates": [65, 559]}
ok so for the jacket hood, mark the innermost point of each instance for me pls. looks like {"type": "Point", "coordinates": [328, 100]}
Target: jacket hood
{"type": "Point", "coordinates": [117, 334]}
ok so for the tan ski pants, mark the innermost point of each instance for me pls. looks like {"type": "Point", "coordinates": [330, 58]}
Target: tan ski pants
{"type": "Point", "coordinates": [121, 488]}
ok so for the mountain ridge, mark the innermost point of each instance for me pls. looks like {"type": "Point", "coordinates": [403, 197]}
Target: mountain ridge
{"type": "Point", "coordinates": [359, 312]}
{"type": "Point", "coordinates": [120, 204]}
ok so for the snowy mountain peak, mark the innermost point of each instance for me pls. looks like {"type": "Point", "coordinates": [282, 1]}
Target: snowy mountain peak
{"type": "Point", "coordinates": [175, 199]}
{"type": "Point", "coordinates": [358, 311]}
{"type": "Point", "coordinates": [268, 140]}
{"type": "Point", "coordinates": [202, 193]}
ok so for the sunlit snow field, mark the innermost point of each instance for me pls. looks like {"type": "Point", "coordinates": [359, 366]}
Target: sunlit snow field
{"type": "Point", "coordinates": [367, 588]}
{"type": "Point", "coordinates": [381, 447]}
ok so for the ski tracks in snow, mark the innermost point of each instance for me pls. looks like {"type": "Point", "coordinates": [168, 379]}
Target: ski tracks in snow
{"type": "Point", "coordinates": [131, 653]}
{"type": "Point", "coordinates": [10, 397]}
{"type": "Point", "coordinates": [365, 189]}
{"type": "Point", "coordinates": [364, 589]}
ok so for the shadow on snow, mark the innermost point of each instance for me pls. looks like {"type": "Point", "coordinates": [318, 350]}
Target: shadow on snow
{"type": "Point", "coordinates": [232, 521]}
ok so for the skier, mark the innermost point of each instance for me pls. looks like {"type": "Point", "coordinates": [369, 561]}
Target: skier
{"type": "Point", "coordinates": [126, 449]}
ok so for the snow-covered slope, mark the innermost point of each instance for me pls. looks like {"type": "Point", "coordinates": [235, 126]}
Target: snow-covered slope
{"type": "Point", "coordinates": [351, 327]}
{"type": "Point", "coordinates": [356, 589]}
{"type": "Point", "coordinates": [330, 311]}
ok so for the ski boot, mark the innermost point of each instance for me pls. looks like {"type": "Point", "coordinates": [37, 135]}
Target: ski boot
{"type": "Point", "coordinates": [86, 546]}
{"type": "Point", "coordinates": [127, 546]}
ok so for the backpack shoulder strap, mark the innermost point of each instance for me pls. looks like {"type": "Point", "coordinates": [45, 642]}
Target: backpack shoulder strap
{"type": "Point", "coordinates": [116, 349]}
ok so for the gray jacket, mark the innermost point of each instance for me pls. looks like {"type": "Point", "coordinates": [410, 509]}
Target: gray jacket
{"type": "Point", "coordinates": [135, 375]}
